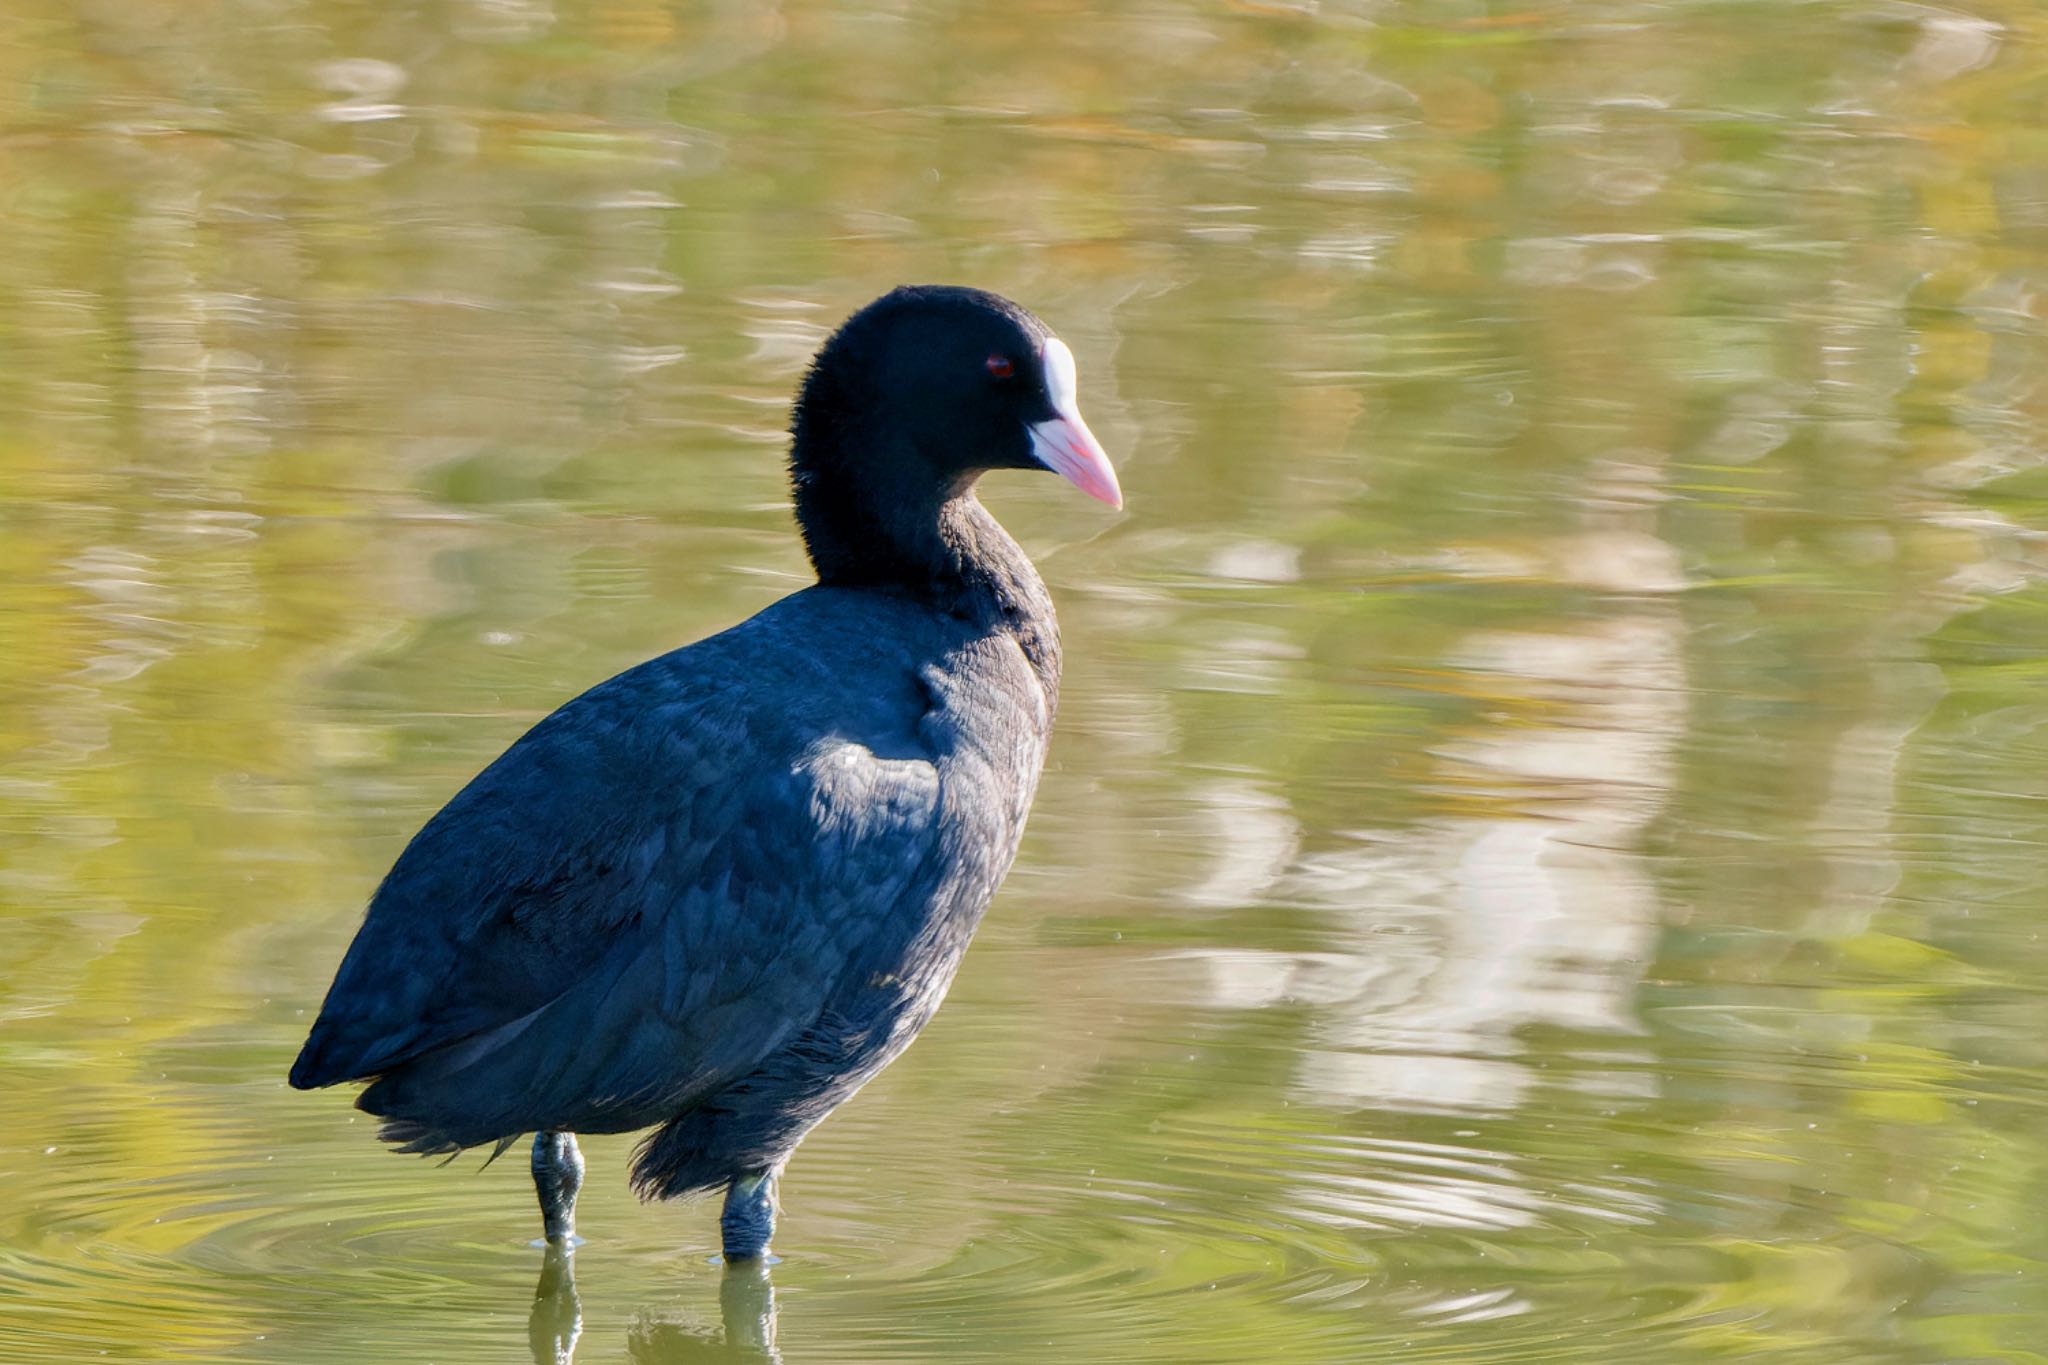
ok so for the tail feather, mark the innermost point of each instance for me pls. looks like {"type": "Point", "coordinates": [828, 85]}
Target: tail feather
{"type": "Point", "coordinates": [677, 1160]}
{"type": "Point", "coordinates": [313, 1068]}
{"type": "Point", "coordinates": [411, 1135]}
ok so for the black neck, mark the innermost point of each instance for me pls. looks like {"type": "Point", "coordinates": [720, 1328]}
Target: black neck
{"type": "Point", "coordinates": [919, 539]}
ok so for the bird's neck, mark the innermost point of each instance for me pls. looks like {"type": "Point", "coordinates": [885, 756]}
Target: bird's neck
{"type": "Point", "coordinates": [936, 545]}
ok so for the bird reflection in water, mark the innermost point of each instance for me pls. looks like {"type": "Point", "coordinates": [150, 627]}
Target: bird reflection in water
{"type": "Point", "coordinates": [557, 1317]}
{"type": "Point", "coordinates": [746, 1304]}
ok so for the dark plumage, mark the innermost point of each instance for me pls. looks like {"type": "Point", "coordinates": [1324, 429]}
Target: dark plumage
{"type": "Point", "coordinates": [722, 890]}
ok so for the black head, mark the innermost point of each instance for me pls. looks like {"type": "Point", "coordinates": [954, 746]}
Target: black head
{"type": "Point", "coordinates": [912, 400]}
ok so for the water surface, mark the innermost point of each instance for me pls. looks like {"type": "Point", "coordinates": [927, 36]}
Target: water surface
{"type": "Point", "coordinates": [1542, 857]}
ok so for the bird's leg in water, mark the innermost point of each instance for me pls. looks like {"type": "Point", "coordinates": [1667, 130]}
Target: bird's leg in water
{"type": "Point", "coordinates": [749, 1217]}
{"type": "Point", "coordinates": [557, 1176]}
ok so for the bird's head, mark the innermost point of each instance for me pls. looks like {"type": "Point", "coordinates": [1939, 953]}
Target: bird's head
{"type": "Point", "coordinates": [930, 386]}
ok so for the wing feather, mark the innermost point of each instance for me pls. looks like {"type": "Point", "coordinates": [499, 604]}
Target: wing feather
{"type": "Point", "coordinates": [580, 937]}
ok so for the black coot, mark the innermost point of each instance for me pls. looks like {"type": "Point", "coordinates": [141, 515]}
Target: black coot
{"type": "Point", "coordinates": [721, 891]}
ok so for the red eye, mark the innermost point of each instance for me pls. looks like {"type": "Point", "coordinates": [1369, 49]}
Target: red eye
{"type": "Point", "coordinates": [999, 365]}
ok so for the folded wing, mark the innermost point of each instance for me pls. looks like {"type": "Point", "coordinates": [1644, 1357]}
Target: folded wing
{"type": "Point", "coordinates": [633, 906]}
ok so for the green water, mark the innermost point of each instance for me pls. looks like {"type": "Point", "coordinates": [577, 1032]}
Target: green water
{"type": "Point", "coordinates": [1542, 858]}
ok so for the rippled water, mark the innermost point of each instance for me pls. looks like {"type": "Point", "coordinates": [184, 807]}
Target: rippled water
{"type": "Point", "coordinates": [1543, 856]}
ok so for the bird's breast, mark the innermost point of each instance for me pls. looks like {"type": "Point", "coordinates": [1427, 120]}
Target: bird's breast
{"type": "Point", "coordinates": [987, 727]}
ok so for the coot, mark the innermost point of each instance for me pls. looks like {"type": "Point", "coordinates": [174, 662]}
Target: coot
{"type": "Point", "coordinates": [723, 890]}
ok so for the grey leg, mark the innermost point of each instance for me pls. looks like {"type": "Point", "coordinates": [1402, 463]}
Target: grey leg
{"type": "Point", "coordinates": [557, 1176]}
{"type": "Point", "coordinates": [749, 1217]}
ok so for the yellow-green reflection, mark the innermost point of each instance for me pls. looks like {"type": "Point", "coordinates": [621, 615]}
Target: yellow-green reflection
{"type": "Point", "coordinates": [1544, 853]}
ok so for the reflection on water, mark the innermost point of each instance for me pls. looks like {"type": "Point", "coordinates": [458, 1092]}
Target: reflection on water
{"type": "Point", "coordinates": [1542, 858]}
{"type": "Point", "coordinates": [1531, 907]}
{"type": "Point", "coordinates": [556, 1323]}
{"type": "Point", "coordinates": [746, 1305]}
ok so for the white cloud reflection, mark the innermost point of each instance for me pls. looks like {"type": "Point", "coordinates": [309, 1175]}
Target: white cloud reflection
{"type": "Point", "coordinates": [1529, 907]}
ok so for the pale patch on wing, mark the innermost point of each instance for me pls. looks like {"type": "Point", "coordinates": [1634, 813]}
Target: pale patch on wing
{"type": "Point", "coordinates": [858, 797]}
